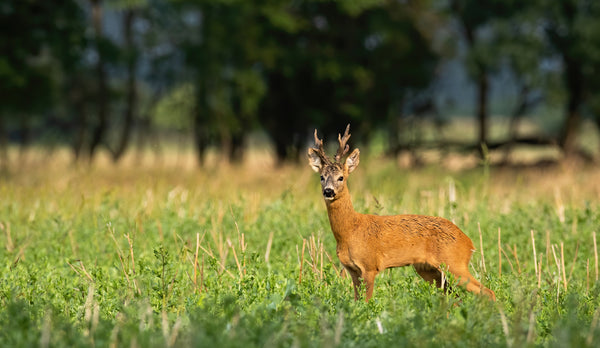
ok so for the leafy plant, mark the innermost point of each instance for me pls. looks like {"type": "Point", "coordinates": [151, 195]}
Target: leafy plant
{"type": "Point", "coordinates": [244, 257]}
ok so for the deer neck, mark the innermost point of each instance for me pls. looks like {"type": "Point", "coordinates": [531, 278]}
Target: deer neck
{"type": "Point", "coordinates": [342, 215]}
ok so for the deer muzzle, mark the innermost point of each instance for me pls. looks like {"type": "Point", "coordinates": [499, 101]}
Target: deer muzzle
{"type": "Point", "coordinates": [328, 193]}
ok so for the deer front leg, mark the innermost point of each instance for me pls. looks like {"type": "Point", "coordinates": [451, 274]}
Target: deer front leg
{"type": "Point", "coordinates": [355, 282]}
{"type": "Point", "coordinates": [369, 278]}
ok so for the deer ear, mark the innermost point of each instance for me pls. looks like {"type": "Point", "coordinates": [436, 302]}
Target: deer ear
{"type": "Point", "coordinates": [314, 160]}
{"type": "Point", "coordinates": [352, 160]}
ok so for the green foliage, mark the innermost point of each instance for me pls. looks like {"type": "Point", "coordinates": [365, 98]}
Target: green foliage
{"type": "Point", "coordinates": [173, 111]}
{"type": "Point", "coordinates": [177, 258]}
{"type": "Point", "coordinates": [38, 40]}
{"type": "Point", "coordinates": [218, 68]}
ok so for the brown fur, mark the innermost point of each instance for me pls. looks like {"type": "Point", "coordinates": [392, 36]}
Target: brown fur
{"type": "Point", "coordinates": [368, 244]}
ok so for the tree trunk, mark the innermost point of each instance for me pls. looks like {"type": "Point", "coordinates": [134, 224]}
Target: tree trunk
{"type": "Point", "coordinates": [482, 108]}
{"type": "Point", "coordinates": [3, 148]}
{"type": "Point", "coordinates": [200, 120]}
{"type": "Point", "coordinates": [598, 129]}
{"type": "Point", "coordinates": [102, 94]}
{"type": "Point", "coordinates": [131, 102]}
{"type": "Point", "coordinates": [25, 141]}
{"type": "Point", "coordinates": [574, 81]}
{"type": "Point", "coordinates": [237, 133]}
{"type": "Point", "coordinates": [394, 128]}
{"type": "Point", "coordinates": [281, 151]}
{"type": "Point", "coordinates": [145, 132]}
{"type": "Point", "coordinates": [525, 104]}
{"type": "Point", "coordinates": [80, 128]}
{"type": "Point", "coordinates": [236, 151]}
{"type": "Point", "coordinates": [201, 141]}
{"type": "Point", "coordinates": [482, 84]}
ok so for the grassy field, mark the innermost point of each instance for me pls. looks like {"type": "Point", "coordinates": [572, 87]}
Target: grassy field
{"type": "Point", "coordinates": [147, 255]}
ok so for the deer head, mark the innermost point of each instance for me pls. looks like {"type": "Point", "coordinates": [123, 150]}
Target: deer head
{"type": "Point", "coordinates": [334, 173]}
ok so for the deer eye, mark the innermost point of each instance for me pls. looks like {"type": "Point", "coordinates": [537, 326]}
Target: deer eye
{"type": "Point", "coordinates": [341, 178]}
{"type": "Point", "coordinates": [322, 178]}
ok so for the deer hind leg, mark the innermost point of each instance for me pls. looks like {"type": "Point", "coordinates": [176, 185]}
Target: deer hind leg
{"type": "Point", "coordinates": [470, 283]}
{"type": "Point", "coordinates": [429, 273]}
{"type": "Point", "coordinates": [434, 276]}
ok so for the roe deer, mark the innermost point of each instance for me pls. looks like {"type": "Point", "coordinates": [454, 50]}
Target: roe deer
{"type": "Point", "coordinates": [368, 244]}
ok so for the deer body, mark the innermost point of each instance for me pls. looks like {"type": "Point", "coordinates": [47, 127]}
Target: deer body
{"type": "Point", "coordinates": [368, 244]}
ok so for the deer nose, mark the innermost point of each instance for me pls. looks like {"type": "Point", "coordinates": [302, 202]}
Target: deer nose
{"type": "Point", "coordinates": [328, 193]}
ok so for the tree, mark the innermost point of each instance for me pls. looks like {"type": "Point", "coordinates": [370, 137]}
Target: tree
{"type": "Point", "coordinates": [131, 88]}
{"type": "Point", "coordinates": [46, 40]}
{"type": "Point", "coordinates": [219, 45]}
{"type": "Point", "coordinates": [476, 21]}
{"type": "Point", "coordinates": [341, 62]}
{"type": "Point", "coordinates": [521, 46]}
{"type": "Point", "coordinates": [569, 26]}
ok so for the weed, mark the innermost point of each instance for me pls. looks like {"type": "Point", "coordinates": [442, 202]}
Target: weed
{"type": "Point", "coordinates": [183, 258]}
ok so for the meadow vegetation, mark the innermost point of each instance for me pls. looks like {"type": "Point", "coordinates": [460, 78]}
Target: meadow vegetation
{"type": "Point", "coordinates": [164, 254]}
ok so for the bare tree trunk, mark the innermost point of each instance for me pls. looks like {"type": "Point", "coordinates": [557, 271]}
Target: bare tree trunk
{"type": "Point", "coordinates": [25, 133]}
{"type": "Point", "coordinates": [520, 109]}
{"type": "Point", "coordinates": [482, 84]}
{"type": "Point", "coordinates": [102, 93]}
{"type": "Point", "coordinates": [562, 37]}
{"type": "Point", "coordinates": [568, 138]}
{"type": "Point", "coordinates": [200, 121]}
{"type": "Point", "coordinates": [143, 131]}
{"type": "Point", "coordinates": [574, 81]}
{"type": "Point", "coordinates": [131, 103]}
{"type": "Point", "coordinates": [237, 133]}
{"type": "Point", "coordinates": [482, 107]}
{"type": "Point", "coordinates": [143, 128]}
{"type": "Point", "coordinates": [201, 141]}
{"type": "Point", "coordinates": [236, 151]}
{"type": "Point", "coordinates": [3, 148]}
{"type": "Point", "coordinates": [525, 104]}
{"type": "Point", "coordinates": [80, 128]}
{"type": "Point", "coordinates": [598, 130]}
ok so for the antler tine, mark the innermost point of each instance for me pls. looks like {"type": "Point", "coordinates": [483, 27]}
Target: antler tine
{"type": "Point", "coordinates": [344, 148]}
{"type": "Point", "coordinates": [319, 147]}
{"type": "Point", "coordinates": [318, 142]}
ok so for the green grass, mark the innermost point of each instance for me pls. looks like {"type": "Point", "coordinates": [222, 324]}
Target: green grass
{"type": "Point", "coordinates": [168, 256]}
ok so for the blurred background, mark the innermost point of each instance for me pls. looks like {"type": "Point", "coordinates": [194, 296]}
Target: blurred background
{"type": "Point", "coordinates": [116, 77]}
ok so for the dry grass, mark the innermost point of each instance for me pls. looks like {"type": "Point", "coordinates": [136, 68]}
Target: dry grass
{"type": "Point", "coordinates": [564, 183]}
{"type": "Point", "coordinates": [247, 248]}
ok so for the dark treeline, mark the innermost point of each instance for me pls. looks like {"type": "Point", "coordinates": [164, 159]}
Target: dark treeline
{"type": "Point", "coordinates": [91, 73]}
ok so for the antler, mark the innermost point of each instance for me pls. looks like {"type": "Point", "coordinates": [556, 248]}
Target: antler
{"type": "Point", "coordinates": [319, 148]}
{"type": "Point", "coordinates": [343, 149]}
